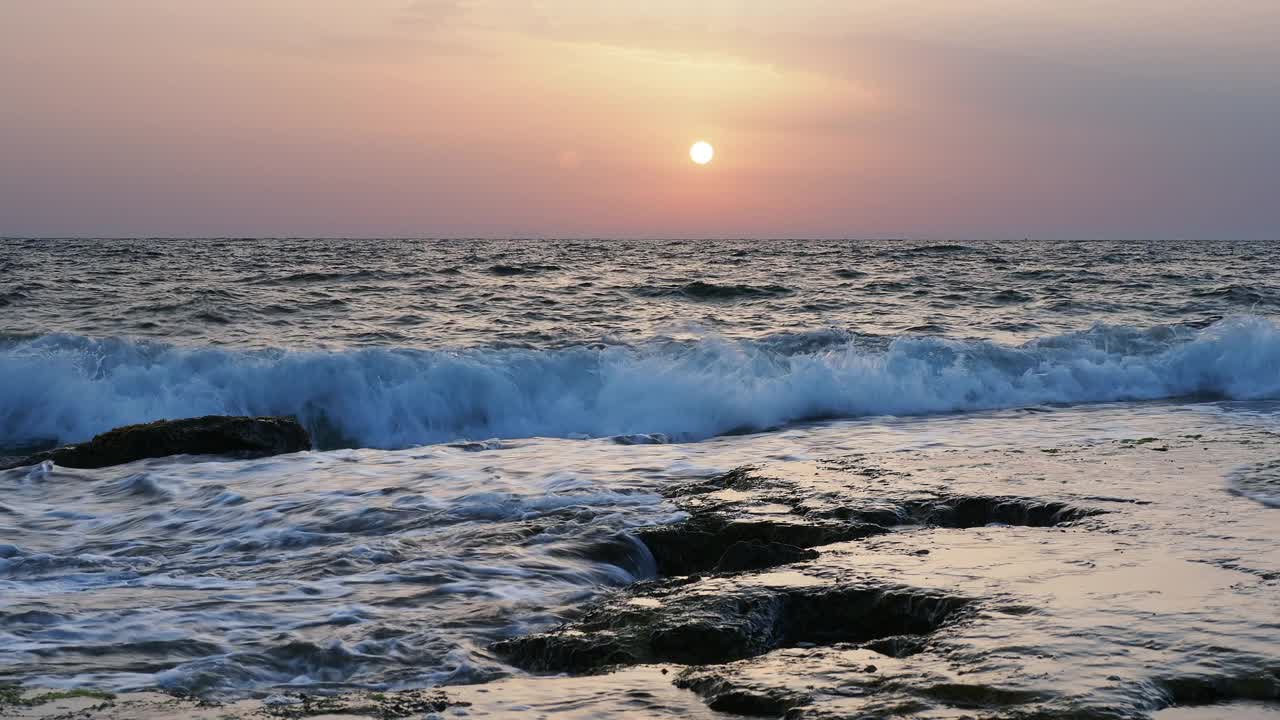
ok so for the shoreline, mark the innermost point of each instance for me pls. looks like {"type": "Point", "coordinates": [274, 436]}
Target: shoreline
{"type": "Point", "coordinates": [1114, 577]}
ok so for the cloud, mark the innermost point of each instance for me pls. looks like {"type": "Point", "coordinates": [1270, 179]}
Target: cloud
{"type": "Point", "coordinates": [1150, 114]}
{"type": "Point", "coordinates": [436, 14]}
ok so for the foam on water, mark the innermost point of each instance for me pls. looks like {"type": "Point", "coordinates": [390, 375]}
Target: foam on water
{"type": "Point", "coordinates": [355, 567]}
{"type": "Point", "coordinates": [1259, 482]}
{"type": "Point", "coordinates": [398, 568]}
{"type": "Point", "coordinates": [67, 388]}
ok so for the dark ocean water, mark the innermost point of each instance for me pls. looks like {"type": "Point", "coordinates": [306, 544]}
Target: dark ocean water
{"type": "Point", "coordinates": [309, 294]}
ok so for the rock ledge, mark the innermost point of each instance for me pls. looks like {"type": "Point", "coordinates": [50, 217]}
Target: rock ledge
{"type": "Point", "coordinates": [209, 435]}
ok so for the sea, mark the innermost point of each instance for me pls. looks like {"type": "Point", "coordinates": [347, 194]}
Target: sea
{"type": "Point", "coordinates": [485, 411]}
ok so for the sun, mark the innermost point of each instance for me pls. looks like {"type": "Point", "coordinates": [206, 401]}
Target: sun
{"type": "Point", "coordinates": [702, 152]}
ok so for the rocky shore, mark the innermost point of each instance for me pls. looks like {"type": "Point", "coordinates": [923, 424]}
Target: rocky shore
{"type": "Point", "coordinates": [881, 587]}
{"type": "Point", "coordinates": [1111, 580]}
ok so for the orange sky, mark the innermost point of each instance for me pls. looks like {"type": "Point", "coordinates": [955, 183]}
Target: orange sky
{"type": "Point", "coordinates": [574, 117]}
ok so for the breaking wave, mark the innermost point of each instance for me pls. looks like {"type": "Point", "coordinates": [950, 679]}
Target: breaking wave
{"type": "Point", "coordinates": [67, 388]}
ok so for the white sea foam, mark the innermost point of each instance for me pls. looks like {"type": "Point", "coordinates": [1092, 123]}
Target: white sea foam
{"type": "Point", "coordinates": [68, 388]}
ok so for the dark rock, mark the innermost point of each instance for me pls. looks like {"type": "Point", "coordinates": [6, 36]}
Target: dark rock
{"type": "Point", "coordinates": [822, 515]}
{"type": "Point", "coordinates": [717, 620]}
{"type": "Point", "coordinates": [211, 435]}
{"type": "Point", "coordinates": [860, 613]}
{"type": "Point", "coordinates": [978, 510]}
{"type": "Point", "coordinates": [386, 705]}
{"type": "Point", "coordinates": [725, 534]}
{"type": "Point", "coordinates": [722, 629]}
{"type": "Point", "coordinates": [756, 555]}
{"type": "Point", "coordinates": [716, 609]}
{"type": "Point", "coordinates": [978, 696]}
{"type": "Point", "coordinates": [898, 646]}
{"type": "Point", "coordinates": [724, 695]}
{"type": "Point", "coordinates": [1211, 689]}
{"type": "Point", "coordinates": [748, 702]}
{"type": "Point", "coordinates": [741, 478]}
{"type": "Point", "coordinates": [700, 543]}
{"type": "Point", "coordinates": [666, 625]}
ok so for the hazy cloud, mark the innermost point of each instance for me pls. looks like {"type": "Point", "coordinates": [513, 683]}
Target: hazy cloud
{"type": "Point", "coordinates": [465, 116]}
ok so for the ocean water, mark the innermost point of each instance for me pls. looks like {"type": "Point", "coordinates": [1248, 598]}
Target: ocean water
{"type": "Point", "coordinates": [494, 417]}
{"type": "Point", "coordinates": [391, 344]}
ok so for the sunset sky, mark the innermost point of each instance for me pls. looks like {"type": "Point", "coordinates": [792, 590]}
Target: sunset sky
{"type": "Point", "coordinates": [830, 118]}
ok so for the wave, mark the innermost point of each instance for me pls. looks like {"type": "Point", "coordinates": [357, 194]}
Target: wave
{"type": "Point", "coordinates": [335, 277]}
{"type": "Point", "coordinates": [849, 274]}
{"type": "Point", "coordinates": [699, 290]}
{"type": "Point", "coordinates": [944, 247]}
{"type": "Point", "coordinates": [935, 250]}
{"type": "Point", "coordinates": [1008, 297]}
{"type": "Point", "coordinates": [1240, 294]}
{"type": "Point", "coordinates": [67, 388]}
{"type": "Point", "coordinates": [531, 269]}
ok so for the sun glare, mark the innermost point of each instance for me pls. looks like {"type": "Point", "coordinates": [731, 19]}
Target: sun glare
{"type": "Point", "coordinates": [702, 152]}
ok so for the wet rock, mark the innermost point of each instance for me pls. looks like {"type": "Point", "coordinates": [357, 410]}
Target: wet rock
{"type": "Point", "coordinates": [1210, 689]}
{"type": "Point", "coordinates": [721, 611]}
{"type": "Point", "coordinates": [386, 705]}
{"type": "Point", "coordinates": [719, 620]}
{"type": "Point", "coordinates": [739, 494]}
{"type": "Point", "coordinates": [723, 696]}
{"type": "Point", "coordinates": [674, 626]}
{"type": "Point", "coordinates": [979, 510]}
{"type": "Point", "coordinates": [978, 696]}
{"type": "Point", "coordinates": [743, 521]}
{"type": "Point", "coordinates": [699, 544]}
{"type": "Point", "coordinates": [211, 435]}
{"type": "Point", "coordinates": [898, 646]}
{"type": "Point", "coordinates": [844, 682]}
{"type": "Point", "coordinates": [740, 478]}
{"type": "Point", "coordinates": [756, 555]}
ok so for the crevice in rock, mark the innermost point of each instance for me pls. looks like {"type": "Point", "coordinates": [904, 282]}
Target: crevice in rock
{"type": "Point", "coordinates": [977, 697]}
{"type": "Point", "coordinates": [723, 532]}
{"type": "Point", "coordinates": [716, 541]}
{"type": "Point", "coordinates": [756, 555]}
{"type": "Point", "coordinates": [701, 543]}
{"type": "Point", "coordinates": [967, 511]}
